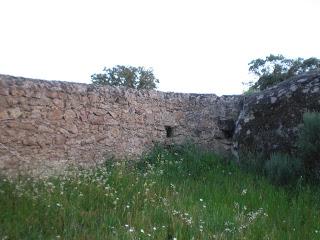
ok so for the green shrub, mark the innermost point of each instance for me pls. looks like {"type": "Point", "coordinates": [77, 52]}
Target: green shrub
{"type": "Point", "coordinates": [283, 169]}
{"type": "Point", "coordinates": [309, 145]}
{"type": "Point", "coordinates": [252, 162]}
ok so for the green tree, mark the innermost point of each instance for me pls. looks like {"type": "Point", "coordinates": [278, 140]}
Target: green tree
{"type": "Point", "coordinates": [128, 76]}
{"type": "Point", "coordinates": [276, 68]}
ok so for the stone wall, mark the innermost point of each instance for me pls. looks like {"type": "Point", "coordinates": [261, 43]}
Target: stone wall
{"type": "Point", "coordinates": [269, 120]}
{"type": "Point", "coordinates": [48, 125]}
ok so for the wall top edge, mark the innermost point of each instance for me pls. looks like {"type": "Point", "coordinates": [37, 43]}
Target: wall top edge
{"type": "Point", "coordinates": [84, 88]}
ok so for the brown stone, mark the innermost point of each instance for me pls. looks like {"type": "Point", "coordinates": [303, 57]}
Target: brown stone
{"type": "Point", "coordinates": [55, 114]}
{"type": "Point", "coordinates": [29, 141]}
{"type": "Point", "coordinates": [59, 140]}
{"type": "Point", "coordinates": [17, 92]}
{"type": "Point", "coordinates": [115, 132]}
{"type": "Point", "coordinates": [11, 101]}
{"type": "Point", "coordinates": [63, 131]}
{"type": "Point", "coordinates": [46, 129]}
{"type": "Point", "coordinates": [73, 141]}
{"type": "Point", "coordinates": [69, 115]}
{"type": "Point", "coordinates": [36, 113]}
{"type": "Point", "coordinates": [4, 115]}
{"type": "Point", "coordinates": [52, 94]}
{"type": "Point", "coordinates": [98, 112]}
{"type": "Point", "coordinates": [44, 141]}
{"type": "Point", "coordinates": [88, 140]}
{"type": "Point", "coordinates": [4, 91]}
{"type": "Point", "coordinates": [83, 115]}
{"type": "Point", "coordinates": [37, 94]}
{"type": "Point", "coordinates": [43, 102]}
{"type": "Point", "coordinates": [110, 121]}
{"type": "Point", "coordinates": [101, 138]}
{"type": "Point", "coordinates": [26, 126]}
{"type": "Point", "coordinates": [112, 114]}
{"type": "Point", "coordinates": [93, 98]}
{"type": "Point", "coordinates": [58, 102]}
{"type": "Point", "coordinates": [14, 112]}
{"type": "Point", "coordinates": [96, 120]}
{"type": "Point", "coordinates": [72, 128]}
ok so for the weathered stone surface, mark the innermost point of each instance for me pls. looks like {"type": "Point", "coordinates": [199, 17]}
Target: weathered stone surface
{"type": "Point", "coordinates": [4, 92]}
{"type": "Point", "coordinates": [269, 120]}
{"type": "Point", "coordinates": [56, 123]}
{"type": "Point", "coordinates": [14, 112]}
{"type": "Point", "coordinates": [69, 115]}
{"type": "Point", "coordinates": [47, 124]}
{"type": "Point", "coordinates": [58, 102]}
{"type": "Point", "coordinates": [4, 115]}
{"type": "Point", "coordinates": [55, 114]}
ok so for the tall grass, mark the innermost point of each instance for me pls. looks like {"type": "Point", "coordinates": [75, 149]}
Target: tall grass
{"type": "Point", "coordinates": [181, 193]}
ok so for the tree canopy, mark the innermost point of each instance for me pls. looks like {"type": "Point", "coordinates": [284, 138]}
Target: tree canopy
{"type": "Point", "coordinates": [276, 68]}
{"type": "Point", "coordinates": [128, 76]}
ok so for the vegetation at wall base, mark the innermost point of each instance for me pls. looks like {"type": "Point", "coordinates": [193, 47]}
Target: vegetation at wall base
{"type": "Point", "coordinates": [176, 193]}
{"type": "Point", "coordinates": [309, 145]}
{"type": "Point", "coordinates": [284, 169]}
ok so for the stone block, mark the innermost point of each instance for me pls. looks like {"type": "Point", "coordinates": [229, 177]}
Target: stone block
{"type": "Point", "coordinates": [69, 115]}
{"type": "Point", "coordinates": [14, 112]}
{"type": "Point", "coordinates": [59, 140]}
{"type": "Point", "coordinates": [4, 91]}
{"type": "Point", "coordinates": [15, 91]}
{"type": "Point", "coordinates": [55, 114]}
{"type": "Point", "coordinates": [58, 103]}
{"type": "Point", "coordinates": [30, 141]}
{"type": "Point", "coordinates": [72, 128]}
{"type": "Point", "coordinates": [35, 113]}
{"type": "Point", "coordinates": [96, 120]}
{"type": "Point", "coordinates": [4, 115]}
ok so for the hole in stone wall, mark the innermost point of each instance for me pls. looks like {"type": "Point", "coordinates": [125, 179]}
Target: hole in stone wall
{"type": "Point", "coordinates": [227, 127]}
{"type": "Point", "coordinates": [169, 131]}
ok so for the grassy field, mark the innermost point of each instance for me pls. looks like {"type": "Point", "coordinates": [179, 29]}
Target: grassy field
{"type": "Point", "coordinates": [177, 194]}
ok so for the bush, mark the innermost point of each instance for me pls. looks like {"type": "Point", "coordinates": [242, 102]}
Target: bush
{"type": "Point", "coordinates": [283, 169]}
{"type": "Point", "coordinates": [252, 162]}
{"type": "Point", "coordinates": [309, 145]}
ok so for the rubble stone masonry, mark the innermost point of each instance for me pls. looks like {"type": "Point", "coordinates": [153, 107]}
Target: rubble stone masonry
{"type": "Point", "coordinates": [45, 126]}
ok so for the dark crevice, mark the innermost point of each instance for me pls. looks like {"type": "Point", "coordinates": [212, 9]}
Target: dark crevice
{"type": "Point", "coordinates": [169, 131]}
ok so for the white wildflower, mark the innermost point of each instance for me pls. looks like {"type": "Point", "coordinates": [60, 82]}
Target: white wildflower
{"type": "Point", "coordinates": [244, 192]}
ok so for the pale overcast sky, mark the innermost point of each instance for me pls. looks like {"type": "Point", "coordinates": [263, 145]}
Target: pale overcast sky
{"type": "Point", "coordinates": [200, 46]}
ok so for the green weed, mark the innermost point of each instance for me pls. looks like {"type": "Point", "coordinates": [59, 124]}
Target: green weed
{"type": "Point", "coordinates": [177, 193]}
